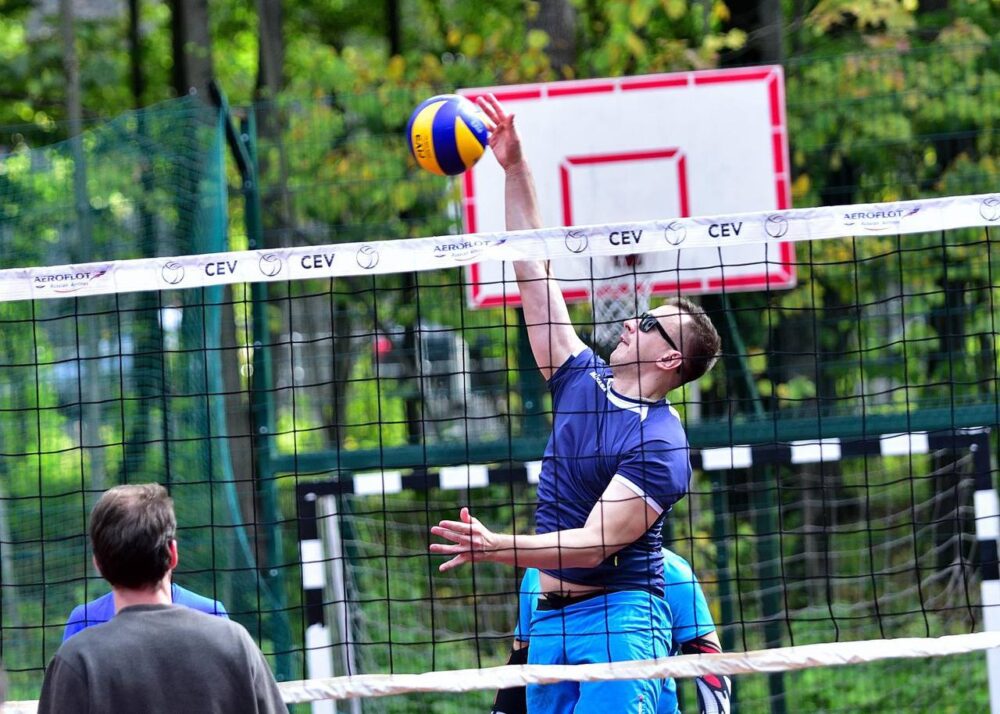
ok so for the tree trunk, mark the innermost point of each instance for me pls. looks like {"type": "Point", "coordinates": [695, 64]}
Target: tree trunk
{"type": "Point", "coordinates": [148, 335]}
{"type": "Point", "coordinates": [81, 247]}
{"type": "Point", "coordinates": [770, 35]}
{"type": "Point", "coordinates": [798, 37]}
{"type": "Point", "coordinates": [393, 27]}
{"type": "Point", "coordinates": [341, 363]}
{"type": "Point", "coordinates": [135, 53]}
{"type": "Point", "coordinates": [763, 21]}
{"type": "Point", "coordinates": [192, 46]}
{"type": "Point", "coordinates": [271, 54]}
{"type": "Point", "coordinates": [557, 18]}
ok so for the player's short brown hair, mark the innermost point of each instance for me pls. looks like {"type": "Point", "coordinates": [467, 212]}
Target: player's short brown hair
{"type": "Point", "coordinates": [131, 528]}
{"type": "Point", "coordinates": [700, 344]}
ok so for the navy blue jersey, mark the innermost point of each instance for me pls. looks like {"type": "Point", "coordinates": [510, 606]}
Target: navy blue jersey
{"type": "Point", "coordinates": [599, 435]}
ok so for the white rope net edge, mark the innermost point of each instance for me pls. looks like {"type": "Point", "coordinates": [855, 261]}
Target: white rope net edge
{"type": "Point", "coordinates": [730, 663]}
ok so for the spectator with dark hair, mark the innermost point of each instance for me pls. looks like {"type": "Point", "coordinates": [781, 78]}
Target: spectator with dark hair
{"type": "Point", "coordinates": [153, 656]}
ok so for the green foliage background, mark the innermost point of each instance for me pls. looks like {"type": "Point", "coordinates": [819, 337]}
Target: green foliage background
{"type": "Point", "coordinates": [885, 101]}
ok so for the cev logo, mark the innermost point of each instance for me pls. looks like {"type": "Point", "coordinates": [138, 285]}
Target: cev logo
{"type": "Point", "coordinates": [776, 226]}
{"type": "Point", "coordinates": [989, 208]}
{"type": "Point", "coordinates": [675, 233]}
{"type": "Point", "coordinates": [269, 264]}
{"type": "Point", "coordinates": [172, 272]}
{"type": "Point", "coordinates": [367, 257]}
{"type": "Point", "coordinates": [576, 241]}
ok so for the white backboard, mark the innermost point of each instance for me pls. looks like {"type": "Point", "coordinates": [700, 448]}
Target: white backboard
{"type": "Point", "coordinates": [638, 149]}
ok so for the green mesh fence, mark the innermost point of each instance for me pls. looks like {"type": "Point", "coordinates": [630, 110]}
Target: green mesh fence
{"type": "Point", "coordinates": [98, 391]}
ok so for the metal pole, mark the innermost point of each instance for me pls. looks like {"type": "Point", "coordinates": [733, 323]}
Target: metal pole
{"type": "Point", "coordinates": [765, 506]}
{"type": "Point", "coordinates": [720, 511]}
{"type": "Point", "coordinates": [987, 513]}
{"type": "Point", "coordinates": [336, 565]}
{"type": "Point", "coordinates": [262, 411]}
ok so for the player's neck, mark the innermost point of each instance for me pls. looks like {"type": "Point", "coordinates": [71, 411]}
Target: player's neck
{"type": "Point", "coordinates": [629, 381]}
{"type": "Point", "coordinates": [158, 594]}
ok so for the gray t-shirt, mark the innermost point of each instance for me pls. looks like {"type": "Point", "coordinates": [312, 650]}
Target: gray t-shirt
{"type": "Point", "coordinates": [160, 659]}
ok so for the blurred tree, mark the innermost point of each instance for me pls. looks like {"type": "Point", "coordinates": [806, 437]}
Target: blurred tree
{"type": "Point", "coordinates": [192, 46]}
{"type": "Point", "coordinates": [557, 19]}
{"type": "Point", "coordinates": [763, 23]}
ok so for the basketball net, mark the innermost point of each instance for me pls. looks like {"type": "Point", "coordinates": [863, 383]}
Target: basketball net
{"type": "Point", "coordinates": [621, 290]}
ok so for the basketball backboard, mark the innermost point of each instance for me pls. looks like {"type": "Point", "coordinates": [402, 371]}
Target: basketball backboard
{"type": "Point", "coordinates": [645, 148]}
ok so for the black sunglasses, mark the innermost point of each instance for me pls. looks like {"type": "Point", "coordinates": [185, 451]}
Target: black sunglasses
{"type": "Point", "coordinates": [647, 321]}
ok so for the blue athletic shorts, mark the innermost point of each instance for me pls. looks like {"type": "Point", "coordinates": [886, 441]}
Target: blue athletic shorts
{"type": "Point", "coordinates": [609, 628]}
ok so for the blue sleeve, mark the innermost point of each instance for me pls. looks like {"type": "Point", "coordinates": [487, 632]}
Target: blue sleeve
{"type": "Point", "coordinates": [198, 602]}
{"type": "Point", "coordinates": [691, 617]}
{"type": "Point", "coordinates": [91, 613]}
{"type": "Point", "coordinates": [527, 600]}
{"type": "Point", "coordinates": [659, 471]}
{"type": "Point", "coordinates": [75, 623]}
{"type": "Point", "coordinates": [573, 368]}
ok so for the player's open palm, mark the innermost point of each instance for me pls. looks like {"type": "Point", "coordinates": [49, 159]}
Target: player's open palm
{"type": "Point", "coordinates": [504, 141]}
{"type": "Point", "coordinates": [468, 538]}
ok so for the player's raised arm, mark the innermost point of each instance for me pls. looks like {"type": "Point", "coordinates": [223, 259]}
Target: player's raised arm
{"type": "Point", "coordinates": [550, 332]}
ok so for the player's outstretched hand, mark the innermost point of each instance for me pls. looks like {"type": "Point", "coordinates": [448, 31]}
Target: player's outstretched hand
{"type": "Point", "coordinates": [504, 140]}
{"type": "Point", "coordinates": [470, 540]}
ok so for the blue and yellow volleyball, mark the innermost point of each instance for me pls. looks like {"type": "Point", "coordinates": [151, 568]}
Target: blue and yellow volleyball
{"type": "Point", "coordinates": [447, 134]}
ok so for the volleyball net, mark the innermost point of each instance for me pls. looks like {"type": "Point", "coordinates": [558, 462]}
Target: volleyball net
{"type": "Point", "coordinates": [315, 410]}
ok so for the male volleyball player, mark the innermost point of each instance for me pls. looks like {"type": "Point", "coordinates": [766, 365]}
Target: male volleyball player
{"type": "Point", "coordinates": [692, 632]}
{"type": "Point", "coordinates": [616, 462]}
{"type": "Point", "coordinates": [153, 656]}
{"type": "Point", "coordinates": [102, 609]}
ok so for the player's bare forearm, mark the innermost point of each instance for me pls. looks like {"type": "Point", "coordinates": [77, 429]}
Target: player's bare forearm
{"type": "Point", "coordinates": [573, 548]}
{"type": "Point", "coordinates": [520, 200]}
{"type": "Point", "coordinates": [618, 519]}
{"type": "Point", "coordinates": [551, 334]}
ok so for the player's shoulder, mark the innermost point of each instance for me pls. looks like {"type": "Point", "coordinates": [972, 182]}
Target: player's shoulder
{"type": "Point", "coordinates": [101, 608]}
{"type": "Point", "coordinates": [201, 624]}
{"type": "Point", "coordinates": [83, 640]}
{"type": "Point", "coordinates": [193, 600]}
{"type": "Point", "coordinates": [581, 363]}
{"type": "Point", "coordinates": [663, 434]}
{"type": "Point", "coordinates": [675, 567]}
{"type": "Point", "coordinates": [666, 417]}
{"type": "Point", "coordinates": [223, 631]}
{"type": "Point", "coordinates": [661, 438]}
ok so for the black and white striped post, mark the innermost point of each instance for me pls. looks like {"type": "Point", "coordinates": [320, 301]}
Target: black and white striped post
{"type": "Point", "coordinates": [314, 562]}
{"type": "Point", "coordinates": [987, 513]}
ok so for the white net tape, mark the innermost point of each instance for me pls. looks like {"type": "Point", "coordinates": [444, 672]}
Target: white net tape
{"type": "Point", "coordinates": [410, 254]}
{"type": "Point", "coordinates": [760, 661]}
